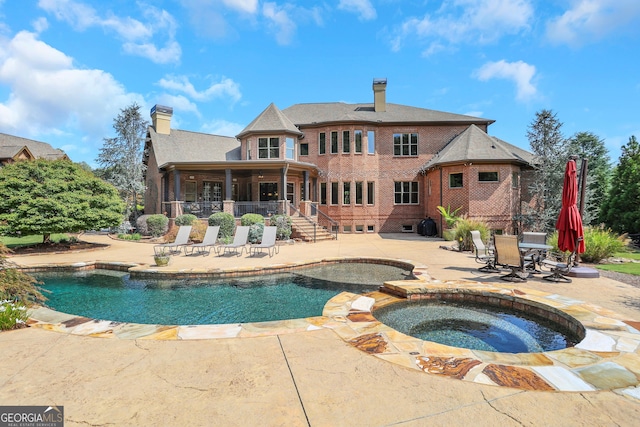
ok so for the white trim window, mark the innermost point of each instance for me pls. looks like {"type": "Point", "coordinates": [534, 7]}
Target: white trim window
{"type": "Point", "coordinates": [269, 148]}
{"type": "Point", "coordinates": [405, 144]}
{"type": "Point", "coordinates": [406, 193]}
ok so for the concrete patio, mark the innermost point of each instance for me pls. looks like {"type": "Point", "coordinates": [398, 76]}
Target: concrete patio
{"type": "Point", "coordinates": [311, 378]}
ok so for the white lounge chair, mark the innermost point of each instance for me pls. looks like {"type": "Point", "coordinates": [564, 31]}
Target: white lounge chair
{"type": "Point", "coordinates": [182, 239]}
{"type": "Point", "coordinates": [268, 242]}
{"type": "Point", "coordinates": [240, 239]}
{"type": "Point", "coordinates": [208, 242]}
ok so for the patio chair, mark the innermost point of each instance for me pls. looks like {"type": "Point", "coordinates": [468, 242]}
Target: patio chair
{"type": "Point", "coordinates": [560, 264]}
{"type": "Point", "coordinates": [240, 239]}
{"type": "Point", "coordinates": [182, 239]}
{"type": "Point", "coordinates": [268, 242]}
{"type": "Point", "coordinates": [208, 242]}
{"type": "Point", "coordinates": [508, 255]}
{"type": "Point", "coordinates": [484, 254]}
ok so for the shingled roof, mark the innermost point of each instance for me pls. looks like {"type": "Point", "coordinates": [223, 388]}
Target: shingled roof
{"type": "Point", "coordinates": [11, 145]}
{"type": "Point", "coordinates": [193, 147]}
{"type": "Point", "coordinates": [311, 114]}
{"type": "Point", "coordinates": [271, 120]}
{"type": "Point", "coordinates": [475, 145]}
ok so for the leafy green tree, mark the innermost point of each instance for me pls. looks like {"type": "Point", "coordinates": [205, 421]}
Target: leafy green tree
{"type": "Point", "coordinates": [121, 156]}
{"type": "Point", "coordinates": [620, 209]}
{"type": "Point", "coordinates": [587, 145]}
{"type": "Point", "coordinates": [44, 197]}
{"type": "Point", "coordinates": [551, 154]}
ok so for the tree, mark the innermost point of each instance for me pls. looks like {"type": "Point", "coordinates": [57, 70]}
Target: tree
{"type": "Point", "coordinates": [620, 209]}
{"type": "Point", "coordinates": [121, 156]}
{"type": "Point", "coordinates": [551, 151]}
{"type": "Point", "coordinates": [44, 197]}
{"type": "Point", "coordinates": [587, 145]}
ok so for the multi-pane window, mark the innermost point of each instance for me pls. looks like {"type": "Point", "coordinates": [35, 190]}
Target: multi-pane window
{"type": "Point", "coordinates": [455, 180]}
{"type": "Point", "coordinates": [190, 191]}
{"type": "Point", "coordinates": [334, 142]}
{"type": "Point", "coordinates": [291, 148]}
{"type": "Point", "coordinates": [268, 148]}
{"type": "Point", "coordinates": [346, 193]}
{"type": "Point", "coordinates": [334, 193]}
{"type": "Point", "coordinates": [371, 142]}
{"type": "Point", "coordinates": [322, 143]}
{"type": "Point", "coordinates": [370, 193]}
{"type": "Point", "coordinates": [488, 176]}
{"type": "Point", "coordinates": [357, 140]}
{"type": "Point", "coordinates": [515, 179]}
{"type": "Point", "coordinates": [406, 193]}
{"type": "Point", "coordinates": [405, 144]}
{"type": "Point", "coordinates": [323, 193]}
{"type": "Point", "coordinates": [248, 149]}
{"type": "Point", "coordinates": [358, 193]}
{"type": "Point", "coordinates": [346, 141]}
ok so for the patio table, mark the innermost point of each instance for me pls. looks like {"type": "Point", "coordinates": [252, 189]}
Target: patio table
{"type": "Point", "coordinates": [536, 250]}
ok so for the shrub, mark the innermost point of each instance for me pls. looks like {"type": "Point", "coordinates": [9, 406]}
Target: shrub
{"type": "Point", "coordinates": [16, 285]}
{"type": "Point", "coordinates": [283, 224]}
{"type": "Point", "coordinates": [226, 221]}
{"type": "Point", "coordinates": [157, 225]}
{"type": "Point", "coordinates": [13, 315]}
{"type": "Point", "coordinates": [186, 219]}
{"type": "Point", "coordinates": [141, 225]}
{"type": "Point", "coordinates": [450, 216]}
{"type": "Point", "coordinates": [599, 244]}
{"type": "Point", "coordinates": [251, 218]}
{"type": "Point", "coordinates": [134, 236]}
{"type": "Point", "coordinates": [255, 232]}
{"type": "Point", "coordinates": [198, 228]}
{"type": "Point", "coordinates": [462, 232]}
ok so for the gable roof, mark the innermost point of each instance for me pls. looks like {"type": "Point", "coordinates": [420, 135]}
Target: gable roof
{"type": "Point", "coordinates": [271, 120]}
{"type": "Point", "coordinates": [192, 147]}
{"type": "Point", "coordinates": [312, 114]}
{"type": "Point", "coordinates": [40, 150]}
{"type": "Point", "coordinates": [476, 145]}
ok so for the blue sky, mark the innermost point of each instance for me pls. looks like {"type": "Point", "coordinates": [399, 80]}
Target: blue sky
{"type": "Point", "coordinates": [68, 67]}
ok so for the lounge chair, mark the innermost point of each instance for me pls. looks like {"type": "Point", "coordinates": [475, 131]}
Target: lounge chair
{"type": "Point", "coordinates": [560, 265]}
{"type": "Point", "coordinates": [484, 254]}
{"type": "Point", "coordinates": [208, 241]}
{"type": "Point", "coordinates": [240, 239]}
{"type": "Point", "coordinates": [182, 239]}
{"type": "Point", "coordinates": [268, 242]}
{"type": "Point", "coordinates": [508, 255]}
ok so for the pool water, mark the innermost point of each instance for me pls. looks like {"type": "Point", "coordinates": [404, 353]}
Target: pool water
{"type": "Point", "coordinates": [476, 327]}
{"type": "Point", "coordinates": [109, 295]}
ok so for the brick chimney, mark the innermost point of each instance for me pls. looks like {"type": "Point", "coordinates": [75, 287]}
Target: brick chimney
{"type": "Point", "coordinates": [161, 119]}
{"type": "Point", "coordinates": [379, 95]}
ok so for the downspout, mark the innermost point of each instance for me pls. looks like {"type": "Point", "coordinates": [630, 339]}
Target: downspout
{"type": "Point", "coordinates": [441, 233]}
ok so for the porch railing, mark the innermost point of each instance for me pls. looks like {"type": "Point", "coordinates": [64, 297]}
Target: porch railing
{"type": "Point", "coordinates": [325, 220]}
{"type": "Point", "coordinates": [201, 209]}
{"type": "Point", "coordinates": [265, 209]}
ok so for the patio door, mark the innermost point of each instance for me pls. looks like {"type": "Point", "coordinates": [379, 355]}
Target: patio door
{"type": "Point", "coordinates": [268, 191]}
{"type": "Point", "coordinates": [212, 196]}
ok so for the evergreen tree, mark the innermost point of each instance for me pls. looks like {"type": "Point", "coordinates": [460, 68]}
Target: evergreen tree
{"type": "Point", "coordinates": [44, 197]}
{"type": "Point", "coordinates": [551, 154]}
{"type": "Point", "coordinates": [621, 210]}
{"type": "Point", "coordinates": [587, 145]}
{"type": "Point", "coordinates": [121, 156]}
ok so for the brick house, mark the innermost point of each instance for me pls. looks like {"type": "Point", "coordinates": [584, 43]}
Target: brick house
{"type": "Point", "coordinates": [371, 167]}
{"type": "Point", "coordinates": [15, 148]}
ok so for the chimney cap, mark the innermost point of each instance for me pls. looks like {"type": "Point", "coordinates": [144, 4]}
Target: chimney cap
{"type": "Point", "coordinates": [161, 109]}
{"type": "Point", "coordinates": [380, 81]}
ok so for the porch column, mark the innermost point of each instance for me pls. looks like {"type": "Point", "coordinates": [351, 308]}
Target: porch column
{"type": "Point", "coordinates": [283, 181]}
{"type": "Point", "coordinates": [305, 187]}
{"type": "Point", "coordinates": [176, 185]}
{"type": "Point", "coordinates": [227, 184]}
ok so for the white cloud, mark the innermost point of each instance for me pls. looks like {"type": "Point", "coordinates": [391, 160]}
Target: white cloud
{"type": "Point", "coordinates": [466, 21]}
{"type": "Point", "coordinates": [519, 72]}
{"type": "Point", "coordinates": [363, 8]}
{"type": "Point", "coordinates": [225, 88]}
{"type": "Point", "coordinates": [247, 6]}
{"type": "Point", "coordinates": [49, 95]}
{"type": "Point", "coordinates": [138, 37]}
{"type": "Point", "coordinates": [280, 22]}
{"type": "Point", "coordinates": [222, 127]}
{"type": "Point", "coordinates": [593, 19]}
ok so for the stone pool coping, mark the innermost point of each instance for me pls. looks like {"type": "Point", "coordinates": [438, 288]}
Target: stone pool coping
{"type": "Point", "coordinates": [607, 359]}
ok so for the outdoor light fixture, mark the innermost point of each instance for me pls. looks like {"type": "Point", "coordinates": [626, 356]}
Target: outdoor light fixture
{"type": "Point", "coordinates": [260, 175]}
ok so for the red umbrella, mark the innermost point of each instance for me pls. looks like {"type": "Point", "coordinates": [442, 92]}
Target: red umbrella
{"type": "Point", "coordinates": [569, 224]}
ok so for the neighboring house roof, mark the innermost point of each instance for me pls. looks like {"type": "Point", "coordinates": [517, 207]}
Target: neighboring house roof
{"type": "Point", "coordinates": [312, 114]}
{"type": "Point", "coordinates": [40, 150]}
{"type": "Point", "coordinates": [193, 147]}
{"type": "Point", "coordinates": [475, 145]}
{"type": "Point", "coordinates": [271, 120]}
{"type": "Point", "coordinates": [13, 151]}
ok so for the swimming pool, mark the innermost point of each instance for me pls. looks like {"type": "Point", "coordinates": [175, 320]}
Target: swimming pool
{"type": "Point", "coordinates": [111, 295]}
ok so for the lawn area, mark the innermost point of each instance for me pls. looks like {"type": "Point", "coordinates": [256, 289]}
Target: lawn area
{"type": "Point", "coordinates": [627, 267]}
{"type": "Point", "coordinates": [14, 242]}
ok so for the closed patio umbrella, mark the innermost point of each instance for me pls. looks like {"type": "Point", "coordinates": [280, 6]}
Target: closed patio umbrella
{"type": "Point", "coordinates": [569, 224]}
